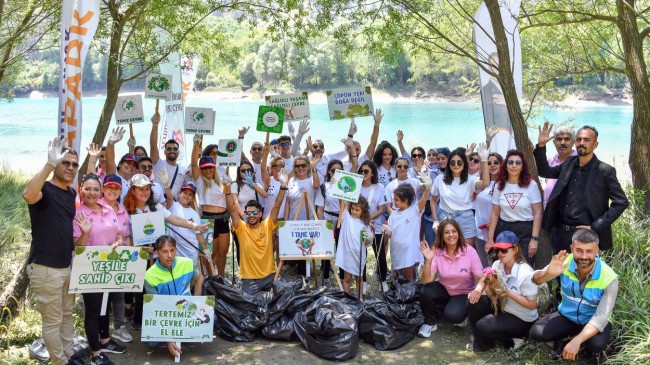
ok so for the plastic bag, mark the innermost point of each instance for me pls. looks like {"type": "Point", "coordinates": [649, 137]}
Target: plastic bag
{"type": "Point", "coordinates": [238, 316]}
{"type": "Point", "coordinates": [403, 292]}
{"type": "Point", "coordinates": [389, 326]}
{"type": "Point", "coordinates": [328, 328]}
{"type": "Point", "coordinates": [290, 297]}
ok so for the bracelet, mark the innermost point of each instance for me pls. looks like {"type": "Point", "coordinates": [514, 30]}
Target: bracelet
{"type": "Point", "coordinates": [350, 135]}
{"type": "Point", "coordinates": [228, 194]}
{"type": "Point", "coordinates": [536, 238]}
{"type": "Point", "coordinates": [354, 155]}
{"type": "Point", "coordinates": [284, 188]}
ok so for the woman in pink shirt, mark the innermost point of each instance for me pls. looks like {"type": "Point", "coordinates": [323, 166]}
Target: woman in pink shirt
{"type": "Point", "coordinates": [458, 267]}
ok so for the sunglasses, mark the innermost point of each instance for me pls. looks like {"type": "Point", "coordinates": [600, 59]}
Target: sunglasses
{"type": "Point", "coordinates": [89, 177]}
{"type": "Point", "coordinates": [277, 166]}
{"type": "Point", "coordinates": [246, 170]}
{"type": "Point", "coordinates": [475, 160]}
{"type": "Point", "coordinates": [285, 144]}
{"type": "Point", "coordinates": [67, 164]}
{"type": "Point", "coordinates": [171, 149]}
{"type": "Point", "coordinates": [456, 163]}
{"type": "Point", "coordinates": [207, 168]}
{"type": "Point", "coordinates": [333, 171]}
{"type": "Point", "coordinates": [493, 163]}
{"type": "Point", "coordinates": [301, 166]}
{"type": "Point", "coordinates": [417, 155]}
{"type": "Point", "coordinates": [502, 250]}
{"type": "Point", "coordinates": [403, 167]}
{"type": "Point", "coordinates": [366, 171]}
{"type": "Point", "coordinates": [146, 167]}
{"type": "Point", "coordinates": [515, 162]}
{"type": "Point", "coordinates": [257, 149]}
{"type": "Point", "coordinates": [318, 146]}
{"type": "Point", "coordinates": [252, 212]}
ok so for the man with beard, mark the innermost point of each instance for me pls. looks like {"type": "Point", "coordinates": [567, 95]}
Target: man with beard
{"type": "Point", "coordinates": [256, 265]}
{"type": "Point", "coordinates": [317, 148]}
{"type": "Point", "coordinates": [51, 211]}
{"type": "Point", "coordinates": [563, 139]}
{"type": "Point", "coordinates": [174, 171]}
{"type": "Point", "coordinates": [589, 288]}
{"type": "Point", "coordinates": [583, 191]}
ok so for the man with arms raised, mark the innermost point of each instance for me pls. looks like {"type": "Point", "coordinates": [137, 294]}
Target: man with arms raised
{"type": "Point", "coordinates": [174, 171]}
{"type": "Point", "coordinates": [51, 212]}
{"type": "Point", "coordinates": [589, 288]}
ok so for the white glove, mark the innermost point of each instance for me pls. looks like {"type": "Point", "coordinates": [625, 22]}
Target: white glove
{"type": "Point", "coordinates": [283, 178]}
{"type": "Point", "coordinates": [426, 181]}
{"type": "Point", "coordinates": [116, 135]}
{"type": "Point", "coordinates": [483, 151]}
{"type": "Point", "coordinates": [490, 132]}
{"type": "Point", "coordinates": [243, 131]}
{"type": "Point", "coordinates": [353, 128]}
{"type": "Point", "coordinates": [292, 130]}
{"type": "Point", "coordinates": [378, 117]}
{"type": "Point", "coordinates": [55, 152]}
{"type": "Point", "coordinates": [131, 142]}
{"type": "Point", "coordinates": [163, 177]}
{"type": "Point", "coordinates": [303, 127]}
{"type": "Point", "coordinates": [207, 257]}
{"type": "Point", "coordinates": [435, 226]}
{"type": "Point", "coordinates": [226, 181]}
{"type": "Point", "coordinates": [368, 236]}
{"type": "Point", "coordinates": [273, 152]}
{"type": "Point", "coordinates": [385, 228]}
{"type": "Point", "coordinates": [197, 138]}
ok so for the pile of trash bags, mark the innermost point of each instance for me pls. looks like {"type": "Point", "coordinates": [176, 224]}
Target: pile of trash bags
{"type": "Point", "coordinates": [328, 323]}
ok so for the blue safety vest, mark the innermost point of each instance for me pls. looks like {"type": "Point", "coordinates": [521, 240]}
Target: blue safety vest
{"type": "Point", "coordinates": [174, 282]}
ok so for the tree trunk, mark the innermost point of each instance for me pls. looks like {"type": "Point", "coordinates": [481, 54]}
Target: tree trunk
{"type": "Point", "coordinates": [14, 293]}
{"type": "Point", "coordinates": [637, 74]}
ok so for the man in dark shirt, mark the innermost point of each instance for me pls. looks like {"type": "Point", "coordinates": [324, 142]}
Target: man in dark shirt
{"type": "Point", "coordinates": [51, 212]}
{"type": "Point", "coordinates": [583, 191]}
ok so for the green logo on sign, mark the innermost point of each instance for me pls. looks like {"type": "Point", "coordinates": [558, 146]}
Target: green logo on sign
{"type": "Point", "coordinates": [347, 184]}
{"type": "Point", "coordinates": [158, 84]}
{"type": "Point", "coordinates": [128, 105]}
{"type": "Point", "coordinates": [231, 146]}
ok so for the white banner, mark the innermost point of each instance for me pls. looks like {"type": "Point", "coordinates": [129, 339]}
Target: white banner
{"type": "Point", "coordinates": [199, 120]}
{"type": "Point", "coordinates": [147, 227]}
{"type": "Point", "coordinates": [296, 105]}
{"type": "Point", "coordinates": [174, 116]}
{"type": "Point", "coordinates": [346, 185]}
{"type": "Point", "coordinates": [189, 66]}
{"type": "Point", "coordinates": [158, 86]}
{"type": "Point", "coordinates": [98, 269]}
{"type": "Point", "coordinates": [229, 152]}
{"type": "Point", "coordinates": [304, 239]}
{"type": "Point", "coordinates": [128, 109]}
{"type": "Point", "coordinates": [177, 318]}
{"type": "Point", "coordinates": [79, 19]}
{"type": "Point", "coordinates": [495, 111]}
{"type": "Point", "coordinates": [349, 102]}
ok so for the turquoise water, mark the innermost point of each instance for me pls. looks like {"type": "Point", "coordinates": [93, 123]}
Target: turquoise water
{"type": "Point", "coordinates": [26, 126]}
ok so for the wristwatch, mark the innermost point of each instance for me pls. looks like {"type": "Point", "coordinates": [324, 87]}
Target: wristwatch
{"type": "Point", "coordinates": [536, 238]}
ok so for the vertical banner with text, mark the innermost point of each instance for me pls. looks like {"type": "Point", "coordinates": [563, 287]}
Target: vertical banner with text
{"type": "Point", "coordinates": [174, 116]}
{"type": "Point", "coordinates": [189, 65]}
{"type": "Point", "coordinates": [79, 19]}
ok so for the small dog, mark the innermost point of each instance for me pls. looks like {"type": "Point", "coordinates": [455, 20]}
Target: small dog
{"type": "Point", "coordinates": [496, 290]}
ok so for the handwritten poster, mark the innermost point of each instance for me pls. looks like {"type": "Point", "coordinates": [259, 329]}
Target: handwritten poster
{"type": "Point", "coordinates": [302, 239]}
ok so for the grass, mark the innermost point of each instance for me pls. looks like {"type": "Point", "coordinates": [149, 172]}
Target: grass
{"type": "Point", "coordinates": [14, 224]}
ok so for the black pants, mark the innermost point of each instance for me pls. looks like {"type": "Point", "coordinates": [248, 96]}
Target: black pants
{"type": "Point", "coordinates": [96, 326]}
{"type": "Point", "coordinates": [561, 240]}
{"type": "Point", "coordinates": [556, 327]}
{"type": "Point", "coordinates": [380, 254]}
{"type": "Point", "coordinates": [524, 231]}
{"type": "Point", "coordinates": [488, 328]}
{"type": "Point", "coordinates": [436, 301]}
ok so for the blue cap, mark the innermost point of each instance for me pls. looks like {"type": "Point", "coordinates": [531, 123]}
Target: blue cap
{"type": "Point", "coordinates": [505, 239]}
{"type": "Point", "coordinates": [190, 186]}
{"type": "Point", "coordinates": [113, 179]}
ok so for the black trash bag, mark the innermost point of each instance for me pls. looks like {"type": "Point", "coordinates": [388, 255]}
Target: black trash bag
{"type": "Point", "coordinates": [290, 297]}
{"type": "Point", "coordinates": [328, 328]}
{"type": "Point", "coordinates": [403, 292]}
{"type": "Point", "coordinates": [283, 283]}
{"type": "Point", "coordinates": [238, 316]}
{"type": "Point", "coordinates": [389, 326]}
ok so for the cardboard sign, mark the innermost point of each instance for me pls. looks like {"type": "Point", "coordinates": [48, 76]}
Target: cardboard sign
{"type": "Point", "coordinates": [177, 318]}
{"type": "Point", "coordinates": [128, 109]}
{"type": "Point", "coordinates": [97, 269]}
{"type": "Point", "coordinates": [147, 227]}
{"type": "Point", "coordinates": [199, 120]}
{"type": "Point", "coordinates": [349, 103]}
{"type": "Point", "coordinates": [346, 186]}
{"type": "Point", "coordinates": [158, 86]}
{"type": "Point", "coordinates": [296, 106]}
{"type": "Point", "coordinates": [302, 239]}
{"type": "Point", "coordinates": [229, 152]}
{"type": "Point", "coordinates": [270, 119]}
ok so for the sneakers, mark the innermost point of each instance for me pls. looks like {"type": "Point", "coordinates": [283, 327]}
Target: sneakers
{"type": "Point", "coordinates": [470, 344]}
{"type": "Point", "coordinates": [75, 360]}
{"type": "Point", "coordinates": [463, 324]}
{"type": "Point", "coordinates": [384, 286]}
{"type": "Point", "coordinates": [518, 343]}
{"type": "Point", "coordinates": [101, 359]}
{"type": "Point", "coordinates": [426, 329]}
{"type": "Point", "coordinates": [136, 326]}
{"type": "Point", "coordinates": [327, 283]}
{"type": "Point", "coordinates": [122, 334]}
{"type": "Point", "coordinates": [112, 347]}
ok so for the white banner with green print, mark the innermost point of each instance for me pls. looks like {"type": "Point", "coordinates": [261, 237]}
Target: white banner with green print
{"type": "Point", "coordinates": [97, 269]}
{"type": "Point", "coordinates": [177, 318]}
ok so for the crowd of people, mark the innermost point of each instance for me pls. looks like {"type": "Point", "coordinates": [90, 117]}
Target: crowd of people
{"type": "Point", "coordinates": [466, 222]}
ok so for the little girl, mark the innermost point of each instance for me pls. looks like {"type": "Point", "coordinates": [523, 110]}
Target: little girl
{"type": "Point", "coordinates": [355, 231]}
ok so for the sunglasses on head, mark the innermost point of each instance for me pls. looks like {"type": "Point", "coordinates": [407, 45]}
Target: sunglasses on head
{"type": "Point", "coordinates": [277, 166]}
{"type": "Point", "coordinates": [456, 163]}
{"type": "Point", "coordinates": [171, 149]}
{"type": "Point", "coordinates": [515, 162]}
{"type": "Point", "coordinates": [67, 164]}
{"type": "Point", "coordinates": [475, 160]}
{"type": "Point", "coordinates": [252, 212]}
{"type": "Point", "coordinates": [257, 149]}
{"type": "Point", "coordinates": [285, 144]}
{"type": "Point", "coordinates": [493, 163]}
{"type": "Point", "coordinates": [146, 167]}
{"type": "Point", "coordinates": [403, 167]}
{"type": "Point", "coordinates": [89, 177]}
{"type": "Point", "coordinates": [366, 171]}
{"type": "Point", "coordinates": [502, 250]}
{"type": "Point", "coordinates": [300, 166]}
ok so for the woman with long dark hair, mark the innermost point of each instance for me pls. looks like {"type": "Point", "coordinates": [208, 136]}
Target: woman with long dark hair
{"type": "Point", "coordinates": [384, 157]}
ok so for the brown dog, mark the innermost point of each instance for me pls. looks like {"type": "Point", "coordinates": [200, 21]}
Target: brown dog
{"type": "Point", "coordinates": [496, 291]}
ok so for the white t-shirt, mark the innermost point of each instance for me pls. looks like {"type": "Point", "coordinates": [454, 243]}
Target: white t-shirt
{"type": "Point", "coordinates": [126, 185]}
{"type": "Point", "coordinates": [455, 197]}
{"type": "Point", "coordinates": [390, 188]}
{"type": "Point", "coordinates": [329, 203]}
{"type": "Point", "coordinates": [321, 166]}
{"type": "Point", "coordinates": [178, 182]}
{"type": "Point", "coordinates": [294, 194]}
{"type": "Point", "coordinates": [258, 179]}
{"type": "Point", "coordinates": [210, 195]}
{"type": "Point", "coordinates": [519, 281]}
{"type": "Point", "coordinates": [385, 176]}
{"type": "Point", "coordinates": [349, 247]}
{"type": "Point", "coordinates": [245, 194]}
{"type": "Point", "coordinates": [483, 209]}
{"type": "Point", "coordinates": [405, 239]}
{"type": "Point", "coordinates": [347, 164]}
{"type": "Point", "coordinates": [158, 193]}
{"type": "Point", "coordinates": [288, 163]}
{"type": "Point", "coordinates": [517, 203]}
{"type": "Point", "coordinates": [378, 199]}
{"type": "Point", "coordinates": [182, 235]}
{"type": "Point", "coordinates": [159, 208]}
{"type": "Point", "coordinates": [273, 190]}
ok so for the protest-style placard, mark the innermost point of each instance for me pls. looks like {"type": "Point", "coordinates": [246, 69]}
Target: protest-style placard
{"type": "Point", "coordinates": [270, 119]}
{"type": "Point", "coordinates": [346, 186]}
{"type": "Point", "coordinates": [229, 152]}
{"type": "Point", "coordinates": [158, 86]}
{"type": "Point", "coordinates": [304, 239]}
{"type": "Point", "coordinates": [128, 109]}
{"type": "Point", "coordinates": [177, 318]}
{"type": "Point", "coordinates": [349, 102]}
{"type": "Point", "coordinates": [97, 269]}
{"type": "Point", "coordinates": [147, 227]}
{"type": "Point", "coordinates": [199, 120]}
{"type": "Point", "coordinates": [296, 105]}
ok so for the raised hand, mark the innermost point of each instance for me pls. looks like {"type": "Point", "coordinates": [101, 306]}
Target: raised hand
{"type": "Point", "coordinates": [155, 119]}
{"type": "Point", "coordinates": [427, 252]}
{"type": "Point", "coordinates": [470, 149]}
{"type": "Point", "coordinates": [116, 135]}
{"type": "Point", "coordinates": [226, 181]}
{"type": "Point", "coordinates": [197, 138]}
{"type": "Point", "coordinates": [242, 131]}
{"type": "Point", "coordinates": [303, 127]}
{"type": "Point", "coordinates": [557, 265]}
{"type": "Point", "coordinates": [248, 179]}
{"type": "Point", "coordinates": [378, 117]}
{"type": "Point", "coordinates": [490, 132]}
{"type": "Point", "coordinates": [283, 178]}
{"type": "Point", "coordinates": [400, 136]}
{"type": "Point", "coordinates": [273, 153]}
{"type": "Point", "coordinates": [545, 134]}
{"type": "Point", "coordinates": [349, 144]}
{"type": "Point", "coordinates": [131, 142]}
{"type": "Point", "coordinates": [55, 152]}
{"type": "Point", "coordinates": [353, 128]}
{"type": "Point", "coordinates": [292, 130]}
{"type": "Point", "coordinates": [86, 225]}
{"type": "Point", "coordinates": [163, 177]}
{"type": "Point", "coordinates": [426, 180]}
{"type": "Point", "coordinates": [94, 150]}
{"type": "Point", "coordinates": [483, 151]}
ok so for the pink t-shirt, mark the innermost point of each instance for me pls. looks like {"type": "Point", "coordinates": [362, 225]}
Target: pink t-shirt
{"type": "Point", "coordinates": [457, 275]}
{"type": "Point", "coordinates": [105, 226]}
{"type": "Point", "coordinates": [123, 220]}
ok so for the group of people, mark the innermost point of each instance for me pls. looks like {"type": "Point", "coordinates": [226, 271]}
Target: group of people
{"type": "Point", "coordinates": [450, 214]}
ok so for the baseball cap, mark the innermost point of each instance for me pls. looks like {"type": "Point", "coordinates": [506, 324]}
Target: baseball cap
{"type": "Point", "coordinates": [273, 142]}
{"type": "Point", "coordinates": [140, 180]}
{"type": "Point", "coordinates": [190, 186]}
{"type": "Point", "coordinates": [130, 157]}
{"type": "Point", "coordinates": [505, 239]}
{"type": "Point", "coordinates": [113, 179]}
{"type": "Point", "coordinates": [206, 161]}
